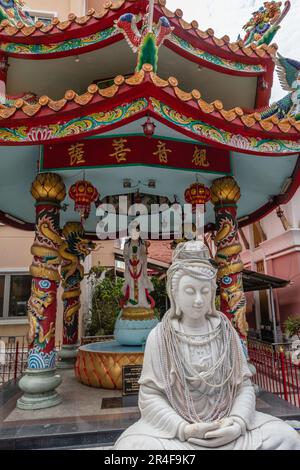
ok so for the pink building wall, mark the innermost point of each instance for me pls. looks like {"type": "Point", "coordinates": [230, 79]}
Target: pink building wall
{"type": "Point", "coordinates": [280, 254]}
{"type": "Point", "coordinates": [288, 298]}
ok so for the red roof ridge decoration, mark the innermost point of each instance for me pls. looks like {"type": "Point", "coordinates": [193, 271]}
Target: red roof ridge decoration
{"type": "Point", "coordinates": [74, 22]}
{"type": "Point", "coordinates": [59, 26]}
{"type": "Point", "coordinates": [224, 42]}
{"type": "Point", "coordinates": [215, 108]}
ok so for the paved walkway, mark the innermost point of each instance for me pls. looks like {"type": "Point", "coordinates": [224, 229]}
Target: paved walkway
{"type": "Point", "coordinates": [87, 416]}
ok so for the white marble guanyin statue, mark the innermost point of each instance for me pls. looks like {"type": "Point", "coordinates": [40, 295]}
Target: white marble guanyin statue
{"type": "Point", "coordinates": [195, 387]}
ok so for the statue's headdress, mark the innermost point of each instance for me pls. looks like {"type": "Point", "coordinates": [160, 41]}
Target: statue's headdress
{"type": "Point", "coordinates": [192, 259]}
{"type": "Point", "coordinates": [194, 255]}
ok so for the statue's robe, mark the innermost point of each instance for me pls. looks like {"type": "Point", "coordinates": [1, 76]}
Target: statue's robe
{"type": "Point", "coordinates": [160, 427]}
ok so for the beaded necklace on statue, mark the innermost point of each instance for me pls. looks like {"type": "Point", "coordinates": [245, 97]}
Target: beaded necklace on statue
{"type": "Point", "coordinates": [219, 374]}
{"type": "Point", "coordinates": [222, 378]}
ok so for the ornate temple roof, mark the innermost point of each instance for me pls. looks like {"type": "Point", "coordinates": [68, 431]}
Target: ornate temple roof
{"type": "Point", "coordinates": [241, 124]}
{"type": "Point", "coordinates": [96, 31]}
{"type": "Point", "coordinates": [147, 84]}
{"type": "Point", "coordinates": [77, 27]}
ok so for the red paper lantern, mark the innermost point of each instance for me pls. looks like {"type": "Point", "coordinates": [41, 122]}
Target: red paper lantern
{"type": "Point", "coordinates": [197, 193]}
{"type": "Point", "coordinates": [84, 194]}
{"type": "Point", "coordinates": [149, 128]}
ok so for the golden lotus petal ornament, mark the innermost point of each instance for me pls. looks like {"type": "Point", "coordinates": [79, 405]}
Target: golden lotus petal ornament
{"type": "Point", "coordinates": [48, 187]}
{"type": "Point", "coordinates": [225, 190]}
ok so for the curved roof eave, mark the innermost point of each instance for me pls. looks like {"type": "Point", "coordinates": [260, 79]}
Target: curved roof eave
{"type": "Point", "coordinates": [210, 122]}
{"type": "Point", "coordinates": [81, 27]}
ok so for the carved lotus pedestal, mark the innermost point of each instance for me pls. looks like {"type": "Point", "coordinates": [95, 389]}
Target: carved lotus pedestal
{"type": "Point", "coordinates": [134, 324]}
{"type": "Point", "coordinates": [100, 364]}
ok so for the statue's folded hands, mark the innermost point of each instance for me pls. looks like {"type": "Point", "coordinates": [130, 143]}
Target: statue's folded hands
{"type": "Point", "coordinates": [221, 433]}
{"type": "Point", "coordinates": [199, 430]}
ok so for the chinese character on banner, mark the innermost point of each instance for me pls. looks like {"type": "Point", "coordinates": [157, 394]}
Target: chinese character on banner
{"type": "Point", "coordinates": [162, 152]}
{"type": "Point", "coordinates": [199, 158]}
{"type": "Point", "coordinates": [120, 150]}
{"type": "Point", "coordinates": [76, 154]}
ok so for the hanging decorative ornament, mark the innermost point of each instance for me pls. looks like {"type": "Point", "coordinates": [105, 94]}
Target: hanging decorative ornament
{"type": "Point", "coordinates": [137, 198]}
{"type": "Point", "coordinates": [84, 194]}
{"type": "Point", "coordinates": [196, 194]}
{"type": "Point", "coordinates": [149, 128]}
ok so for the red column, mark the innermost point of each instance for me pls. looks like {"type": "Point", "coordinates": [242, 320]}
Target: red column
{"type": "Point", "coordinates": [225, 195]}
{"type": "Point", "coordinates": [40, 381]}
{"type": "Point", "coordinates": [73, 252]}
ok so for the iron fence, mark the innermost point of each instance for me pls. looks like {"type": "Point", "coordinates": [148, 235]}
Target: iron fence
{"type": "Point", "coordinates": [277, 371]}
{"type": "Point", "coordinates": [13, 357]}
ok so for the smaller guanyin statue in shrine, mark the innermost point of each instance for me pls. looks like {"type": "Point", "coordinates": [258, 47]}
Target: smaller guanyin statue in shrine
{"type": "Point", "coordinates": [137, 316]}
{"type": "Point", "coordinates": [195, 388]}
{"type": "Point", "coordinates": [137, 286]}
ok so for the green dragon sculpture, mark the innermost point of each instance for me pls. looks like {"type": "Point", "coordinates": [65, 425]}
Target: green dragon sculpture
{"type": "Point", "coordinates": [289, 76]}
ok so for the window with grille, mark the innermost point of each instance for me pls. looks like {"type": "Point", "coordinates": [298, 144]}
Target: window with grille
{"type": "Point", "coordinates": [15, 289]}
{"type": "Point", "coordinates": [44, 16]}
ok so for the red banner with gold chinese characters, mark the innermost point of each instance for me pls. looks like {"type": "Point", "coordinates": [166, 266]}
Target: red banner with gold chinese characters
{"type": "Point", "coordinates": [135, 150]}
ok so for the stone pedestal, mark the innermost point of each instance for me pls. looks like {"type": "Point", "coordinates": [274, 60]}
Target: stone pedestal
{"type": "Point", "coordinates": [133, 325]}
{"type": "Point", "coordinates": [67, 356]}
{"type": "Point", "coordinates": [39, 389]}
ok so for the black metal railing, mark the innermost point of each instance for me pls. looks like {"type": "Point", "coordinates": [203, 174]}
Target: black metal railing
{"type": "Point", "coordinates": [13, 357]}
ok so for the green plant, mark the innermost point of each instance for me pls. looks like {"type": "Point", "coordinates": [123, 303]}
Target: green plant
{"type": "Point", "coordinates": [292, 326]}
{"type": "Point", "coordinates": [160, 295]}
{"type": "Point", "coordinates": [106, 294]}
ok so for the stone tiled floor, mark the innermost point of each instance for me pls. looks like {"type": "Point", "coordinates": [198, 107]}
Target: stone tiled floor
{"type": "Point", "coordinates": [87, 417]}
{"type": "Point", "coordinates": [78, 400]}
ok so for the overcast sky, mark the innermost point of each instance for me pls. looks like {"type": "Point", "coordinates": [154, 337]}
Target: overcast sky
{"type": "Point", "coordinates": [229, 16]}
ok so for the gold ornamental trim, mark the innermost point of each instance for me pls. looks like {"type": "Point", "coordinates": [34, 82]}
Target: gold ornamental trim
{"type": "Point", "coordinates": [229, 251]}
{"type": "Point", "coordinates": [44, 273]}
{"type": "Point", "coordinates": [138, 313]}
{"type": "Point", "coordinates": [233, 268]}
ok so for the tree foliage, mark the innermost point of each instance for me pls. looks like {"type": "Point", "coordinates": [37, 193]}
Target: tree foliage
{"type": "Point", "coordinates": [106, 295]}
{"type": "Point", "coordinates": [292, 326]}
{"type": "Point", "coordinates": [160, 295]}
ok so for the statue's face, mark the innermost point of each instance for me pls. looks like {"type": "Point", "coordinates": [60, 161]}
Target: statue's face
{"type": "Point", "coordinates": [194, 297]}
